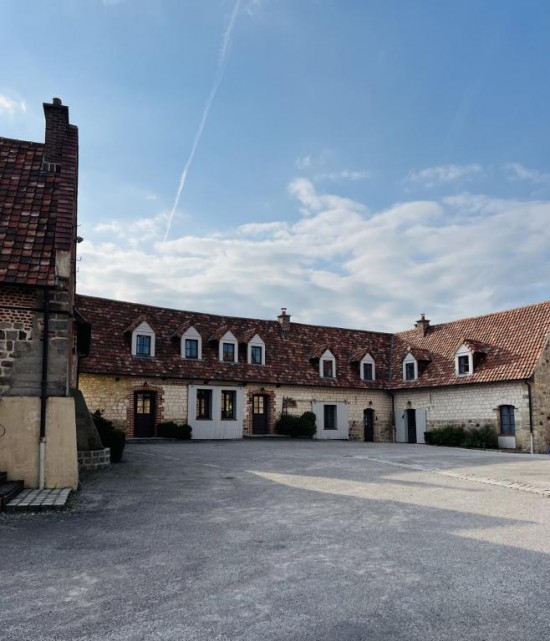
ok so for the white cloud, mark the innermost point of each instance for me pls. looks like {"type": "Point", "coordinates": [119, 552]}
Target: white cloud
{"type": "Point", "coordinates": [303, 163]}
{"type": "Point", "coordinates": [338, 263]}
{"type": "Point", "coordinates": [344, 174]}
{"type": "Point", "coordinates": [516, 171]}
{"type": "Point", "coordinates": [11, 106]}
{"type": "Point", "coordinates": [433, 176]}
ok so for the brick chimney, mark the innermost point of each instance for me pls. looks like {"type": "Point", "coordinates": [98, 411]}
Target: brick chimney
{"type": "Point", "coordinates": [422, 325]}
{"type": "Point", "coordinates": [57, 120]}
{"type": "Point", "coordinates": [284, 320]}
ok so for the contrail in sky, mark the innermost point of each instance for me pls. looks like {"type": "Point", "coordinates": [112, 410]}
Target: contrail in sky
{"type": "Point", "coordinates": [220, 70]}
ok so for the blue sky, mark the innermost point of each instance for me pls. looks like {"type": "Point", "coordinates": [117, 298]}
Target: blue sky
{"type": "Point", "coordinates": [357, 162]}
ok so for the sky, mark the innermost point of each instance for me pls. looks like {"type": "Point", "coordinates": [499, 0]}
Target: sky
{"type": "Point", "coordinates": [359, 162]}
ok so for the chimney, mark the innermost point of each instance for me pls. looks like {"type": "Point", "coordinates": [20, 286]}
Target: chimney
{"type": "Point", "coordinates": [57, 120]}
{"type": "Point", "coordinates": [422, 325]}
{"type": "Point", "coordinates": [284, 320]}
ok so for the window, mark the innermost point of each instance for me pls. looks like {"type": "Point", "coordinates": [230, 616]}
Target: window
{"type": "Point", "coordinates": [143, 345]}
{"type": "Point", "coordinates": [204, 404]}
{"type": "Point", "coordinates": [191, 348]}
{"type": "Point", "coordinates": [330, 422]}
{"type": "Point", "coordinates": [463, 365]}
{"type": "Point", "coordinates": [191, 344]}
{"type": "Point", "coordinates": [228, 351]}
{"type": "Point", "coordinates": [410, 372]}
{"type": "Point", "coordinates": [228, 348]}
{"type": "Point", "coordinates": [143, 403]}
{"type": "Point", "coordinates": [228, 404]}
{"type": "Point", "coordinates": [256, 355]}
{"type": "Point", "coordinates": [328, 369]}
{"type": "Point", "coordinates": [367, 372]}
{"type": "Point", "coordinates": [143, 340]}
{"type": "Point", "coordinates": [507, 420]}
{"type": "Point", "coordinates": [256, 351]}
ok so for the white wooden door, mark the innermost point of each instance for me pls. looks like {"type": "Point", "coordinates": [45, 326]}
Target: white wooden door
{"type": "Point", "coordinates": [400, 436]}
{"type": "Point", "coordinates": [421, 416]}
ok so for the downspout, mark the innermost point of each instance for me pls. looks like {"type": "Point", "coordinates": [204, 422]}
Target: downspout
{"type": "Point", "coordinates": [44, 392]}
{"type": "Point", "coordinates": [531, 434]}
{"type": "Point", "coordinates": [391, 392]}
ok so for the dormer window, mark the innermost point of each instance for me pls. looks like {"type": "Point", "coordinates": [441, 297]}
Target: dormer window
{"type": "Point", "coordinates": [327, 365]}
{"type": "Point", "coordinates": [464, 361]}
{"type": "Point", "coordinates": [256, 351]}
{"type": "Point", "coordinates": [366, 368]}
{"type": "Point", "coordinates": [228, 348]}
{"type": "Point", "coordinates": [143, 340]}
{"type": "Point", "coordinates": [191, 345]}
{"type": "Point", "coordinates": [410, 368]}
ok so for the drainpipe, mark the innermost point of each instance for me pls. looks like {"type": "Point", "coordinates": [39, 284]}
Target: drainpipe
{"type": "Point", "coordinates": [391, 392]}
{"type": "Point", "coordinates": [531, 435]}
{"type": "Point", "coordinates": [44, 392]}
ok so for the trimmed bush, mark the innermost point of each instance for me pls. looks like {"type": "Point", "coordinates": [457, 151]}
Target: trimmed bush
{"type": "Point", "coordinates": [169, 429]}
{"type": "Point", "coordinates": [455, 436]}
{"type": "Point", "coordinates": [297, 426]}
{"type": "Point", "coordinates": [111, 437]}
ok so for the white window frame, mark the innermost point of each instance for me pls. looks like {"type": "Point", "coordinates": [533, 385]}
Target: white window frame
{"type": "Point", "coordinates": [464, 351]}
{"type": "Point", "coordinates": [228, 337]}
{"type": "Point", "coordinates": [143, 329]}
{"type": "Point", "coordinates": [327, 356]}
{"type": "Point", "coordinates": [368, 359]}
{"type": "Point", "coordinates": [256, 341]}
{"type": "Point", "coordinates": [409, 358]}
{"type": "Point", "coordinates": [191, 334]}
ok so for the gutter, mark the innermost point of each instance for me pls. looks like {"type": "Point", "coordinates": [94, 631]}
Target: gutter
{"type": "Point", "coordinates": [531, 434]}
{"type": "Point", "coordinates": [44, 391]}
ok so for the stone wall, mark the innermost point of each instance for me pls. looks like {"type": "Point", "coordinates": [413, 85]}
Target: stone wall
{"type": "Point", "coordinates": [114, 397]}
{"type": "Point", "coordinates": [471, 406]}
{"type": "Point", "coordinates": [21, 341]}
{"type": "Point", "coordinates": [541, 401]}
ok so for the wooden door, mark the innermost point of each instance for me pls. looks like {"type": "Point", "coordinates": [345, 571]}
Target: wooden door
{"type": "Point", "coordinates": [411, 426]}
{"type": "Point", "coordinates": [368, 425]}
{"type": "Point", "coordinates": [260, 414]}
{"type": "Point", "coordinates": [144, 413]}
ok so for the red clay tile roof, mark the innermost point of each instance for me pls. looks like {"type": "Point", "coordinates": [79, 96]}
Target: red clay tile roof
{"type": "Point", "coordinates": [287, 358]}
{"type": "Point", "coordinates": [512, 342]}
{"type": "Point", "coordinates": [37, 210]}
{"type": "Point", "coordinates": [474, 346]}
{"type": "Point", "coordinates": [418, 353]}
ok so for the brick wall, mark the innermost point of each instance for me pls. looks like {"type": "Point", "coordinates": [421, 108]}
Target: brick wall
{"type": "Point", "coordinates": [471, 406]}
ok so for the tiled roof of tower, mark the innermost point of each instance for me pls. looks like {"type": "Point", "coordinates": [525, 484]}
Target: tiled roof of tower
{"type": "Point", "coordinates": [287, 358]}
{"type": "Point", "coordinates": [508, 344]}
{"type": "Point", "coordinates": [37, 210]}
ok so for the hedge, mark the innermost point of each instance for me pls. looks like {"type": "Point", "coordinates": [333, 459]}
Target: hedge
{"type": "Point", "coordinates": [484, 437]}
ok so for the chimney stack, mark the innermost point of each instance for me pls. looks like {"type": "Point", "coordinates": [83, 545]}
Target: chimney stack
{"type": "Point", "coordinates": [284, 320]}
{"type": "Point", "coordinates": [423, 324]}
{"type": "Point", "coordinates": [57, 121]}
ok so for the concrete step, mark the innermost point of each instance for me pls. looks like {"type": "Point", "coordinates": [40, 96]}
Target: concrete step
{"type": "Point", "coordinates": [8, 491]}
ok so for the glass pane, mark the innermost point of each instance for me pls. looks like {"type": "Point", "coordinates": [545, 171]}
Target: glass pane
{"type": "Point", "coordinates": [191, 348]}
{"type": "Point", "coordinates": [229, 352]}
{"type": "Point", "coordinates": [228, 404]}
{"type": "Point", "coordinates": [258, 405]}
{"type": "Point", "coordinates": [204, 404]}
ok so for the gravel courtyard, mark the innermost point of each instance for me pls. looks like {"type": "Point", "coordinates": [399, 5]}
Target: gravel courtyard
{"type": "Point", "coordinates": [269, 540]}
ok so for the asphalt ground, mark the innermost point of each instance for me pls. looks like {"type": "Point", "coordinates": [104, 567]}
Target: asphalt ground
{"type": "Point", "coordinates": [287, 540]}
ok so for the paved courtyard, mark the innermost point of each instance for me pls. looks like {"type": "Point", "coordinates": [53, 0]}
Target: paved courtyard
{"type": "Point", "coordinates": [287, 540]}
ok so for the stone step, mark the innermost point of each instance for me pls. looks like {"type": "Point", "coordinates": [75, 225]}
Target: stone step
{"type": "Point", "coordinates": [39, 500]}
{"type": "Point", "coordinates": [8, 491]}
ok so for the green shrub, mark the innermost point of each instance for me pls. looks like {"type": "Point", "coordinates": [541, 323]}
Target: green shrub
{"type": "Point", "coordinates": [297, 426]}
{"type": "Point", "coordinates": [455, 436]}
{"type": "Point", "coordinates": [111, 437]}
{"type": "Point", "coordinates": [169, 429]}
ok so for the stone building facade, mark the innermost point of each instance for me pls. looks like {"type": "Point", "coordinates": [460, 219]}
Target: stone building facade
{"type": "Point", "coordinates": [491, 370]}
{"type": "Point", "coordinates": [38, 337]}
